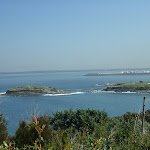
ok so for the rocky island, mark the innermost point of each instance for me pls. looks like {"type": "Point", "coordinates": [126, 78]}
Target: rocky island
{"type": "Point", "coordinates": [138, 87]}
{"type": "Point", "coordinates": [32, 90]}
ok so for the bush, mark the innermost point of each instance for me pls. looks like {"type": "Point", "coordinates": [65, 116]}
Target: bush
{"type": "Point", "coordinates": [26, 135]}
{"type": "Point", "coordinates": [3, 129]}
{"type": "Point", "coordinates": [80, 119]}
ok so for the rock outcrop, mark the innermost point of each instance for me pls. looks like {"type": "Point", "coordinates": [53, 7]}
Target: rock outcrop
{"type": "Point", "coordinates": [138, 87]}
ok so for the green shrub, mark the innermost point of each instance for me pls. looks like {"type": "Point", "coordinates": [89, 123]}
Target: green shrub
{"type": "Point", "coordinates": [26, 135]}
{"type": "Point", "coordinates": [80, 119]}
{"type": "Point", "coordinates": [3, 129]}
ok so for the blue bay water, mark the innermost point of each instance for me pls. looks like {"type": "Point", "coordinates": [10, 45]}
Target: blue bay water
{"type": "Point", "coordinates": [21, 107]}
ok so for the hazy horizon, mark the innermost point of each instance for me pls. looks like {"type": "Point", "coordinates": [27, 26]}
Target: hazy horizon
{"type": "Point", "coordinates": [74, 35]}
{"type": "Point", "coordinates": [82, 70]}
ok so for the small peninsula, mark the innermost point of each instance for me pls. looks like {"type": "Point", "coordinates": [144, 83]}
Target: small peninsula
{"type": "Point", "coordinates": [32, 90]}
{"type": "Point", "coordinates": [138, 87]}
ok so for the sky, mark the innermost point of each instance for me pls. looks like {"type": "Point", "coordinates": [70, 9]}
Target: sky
{"type": "Point", "coordinates": [74, 34]}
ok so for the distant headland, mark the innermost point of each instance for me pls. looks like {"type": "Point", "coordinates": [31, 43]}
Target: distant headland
{"type": "Point", "coordinates": [119, 73]}
{"type": "Point", "coordinates": [32, 90]}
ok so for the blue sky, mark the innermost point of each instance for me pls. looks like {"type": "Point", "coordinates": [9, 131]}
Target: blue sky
{"type": "Point", "coordinates": [74, 34]}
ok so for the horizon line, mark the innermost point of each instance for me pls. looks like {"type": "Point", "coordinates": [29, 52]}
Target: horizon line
{"type": "Point", "coordinates": [67, 70]}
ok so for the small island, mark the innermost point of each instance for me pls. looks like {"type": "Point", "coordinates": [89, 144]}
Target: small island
{"type": "Point", "coordinates": [138, 87]}
{"type": "Point", "coordinates": [32, 90]}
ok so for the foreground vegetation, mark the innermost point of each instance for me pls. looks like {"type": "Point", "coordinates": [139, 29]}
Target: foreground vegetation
{"type": "Point", "coordinates": [79, 130]}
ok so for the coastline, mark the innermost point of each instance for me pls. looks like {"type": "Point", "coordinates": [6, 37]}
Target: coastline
{"type": "Point", "coordinates": [119, 73]}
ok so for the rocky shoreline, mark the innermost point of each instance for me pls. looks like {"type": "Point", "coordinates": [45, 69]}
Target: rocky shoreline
{"type": "Point", "coordinates": [137, 87]}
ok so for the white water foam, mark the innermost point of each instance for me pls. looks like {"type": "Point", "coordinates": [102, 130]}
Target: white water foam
{"type": "Point", "coordinates": [2, 93]}
{"type": "Point", "coordinates": [98, 85]}
{"type": "Point", "coordinates": [101, 91]}
{"type": "Point", "coordinates": [64, 94]}
{"type": "Point", "coordinates": [128, 92]}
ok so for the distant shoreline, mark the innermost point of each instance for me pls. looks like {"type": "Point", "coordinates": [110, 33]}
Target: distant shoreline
{"type": "Point", "coordinates": [119, 73]}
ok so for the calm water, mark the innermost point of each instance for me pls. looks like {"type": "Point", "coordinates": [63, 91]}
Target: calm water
{"type": "Point", "coordinates": [21, 107]}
